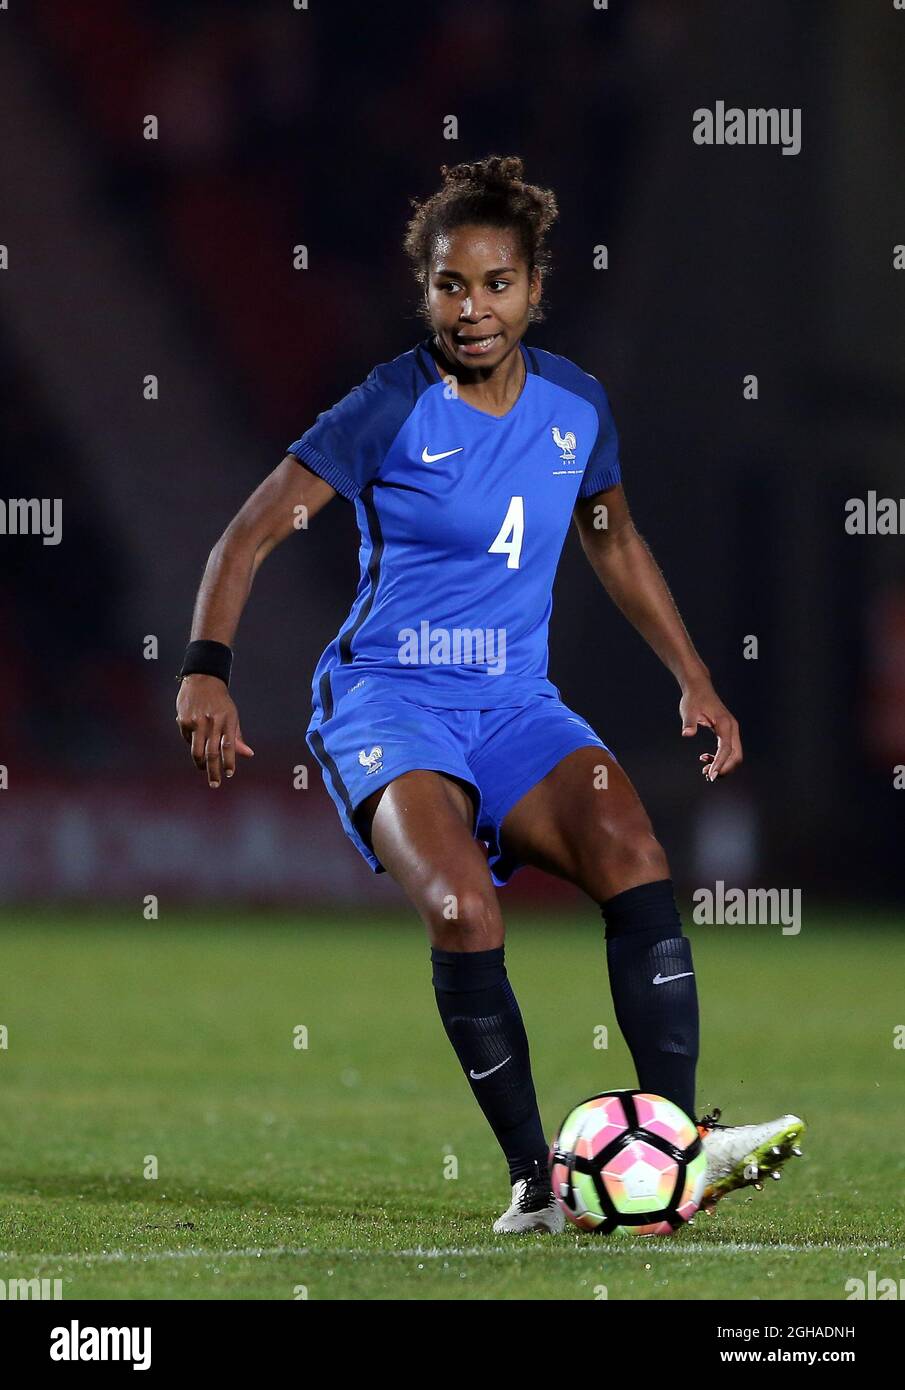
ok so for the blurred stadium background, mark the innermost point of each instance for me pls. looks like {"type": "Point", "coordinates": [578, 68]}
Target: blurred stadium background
{"type": "Point", "coordinates": [174, 257]}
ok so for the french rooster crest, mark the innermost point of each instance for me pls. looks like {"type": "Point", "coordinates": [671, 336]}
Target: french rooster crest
{"type": "Point", "coordinates": [566, 442]}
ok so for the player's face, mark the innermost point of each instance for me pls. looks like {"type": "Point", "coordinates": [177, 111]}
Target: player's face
{"type": "Point", "coordinates": [479, 294]}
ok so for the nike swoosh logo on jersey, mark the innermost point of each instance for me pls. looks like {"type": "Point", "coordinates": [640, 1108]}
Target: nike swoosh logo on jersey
{"type": "Point", "coordinates": [432, 458]}
{"type": "Point", "coordinates": [665, 979]}
{"type": "Point", "coordinates": [479, 1075]}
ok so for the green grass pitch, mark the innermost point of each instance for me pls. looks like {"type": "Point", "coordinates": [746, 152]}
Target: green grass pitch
{"type": "Point", "coordinates": [324, 1168]}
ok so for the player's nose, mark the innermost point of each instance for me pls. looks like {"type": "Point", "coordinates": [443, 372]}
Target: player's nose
{"type": "Point", "coordinates": [474, 313]}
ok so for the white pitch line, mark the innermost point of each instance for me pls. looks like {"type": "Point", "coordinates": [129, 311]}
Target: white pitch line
{"type": "Point", "coordinates": [142, 1257]}
{"type": "Point", "coordinates": [597, 1250]}
{"type": "Point", "coordinates": [620, 1246]}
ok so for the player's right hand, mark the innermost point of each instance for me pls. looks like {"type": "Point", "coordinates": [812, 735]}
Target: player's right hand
{"type": "Point", "coordinates": [209, 722]}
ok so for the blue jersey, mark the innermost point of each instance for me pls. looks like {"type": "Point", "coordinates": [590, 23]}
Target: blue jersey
{"type": "Point", "coordinates": [462, 517]}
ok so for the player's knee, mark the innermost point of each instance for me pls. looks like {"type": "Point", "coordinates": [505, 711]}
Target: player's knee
{"type": "Point", "coordinates": [628, 850]}
{"type": "Point", "coordinates": [635, 845]}
{"type": "Point", "coordinates": [461, 918]}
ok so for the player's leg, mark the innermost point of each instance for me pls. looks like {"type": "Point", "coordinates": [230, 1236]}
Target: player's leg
{"type": "Point", "coordinates": [420, 828]}
{"type": "Point", "coordinates": [584, 822]}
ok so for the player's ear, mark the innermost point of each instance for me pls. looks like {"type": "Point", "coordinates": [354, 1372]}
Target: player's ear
{"type": "Point", "coordinates": [535, 289]}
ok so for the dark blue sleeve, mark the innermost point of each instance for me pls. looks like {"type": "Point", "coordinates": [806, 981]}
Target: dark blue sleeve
{"type": "Point", "coordinates": [347, 443]}
{"type": "Point", "coordinates": [603, 468]}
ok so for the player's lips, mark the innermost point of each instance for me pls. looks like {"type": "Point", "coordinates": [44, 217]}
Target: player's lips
{"type": "Point", "coordinates": [474, 346]}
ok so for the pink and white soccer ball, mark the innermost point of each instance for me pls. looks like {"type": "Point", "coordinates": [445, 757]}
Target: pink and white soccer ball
{"type": "Point", "coordinates": [630, 1162]}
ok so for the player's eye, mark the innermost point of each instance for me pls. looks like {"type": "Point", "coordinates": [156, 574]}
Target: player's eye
{"type": "Point", "coordinates": [448, 286]}
{"type": "Point", "coordinates": [504, 284]}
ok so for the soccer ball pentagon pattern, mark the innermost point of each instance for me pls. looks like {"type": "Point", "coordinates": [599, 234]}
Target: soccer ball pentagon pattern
{"type": "Point", "coordinates": [628, 1161]}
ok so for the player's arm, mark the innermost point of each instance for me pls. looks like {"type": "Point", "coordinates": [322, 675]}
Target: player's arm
{"type": "Point", "coordinates": [207, 717]}
{"type": "Point", "coordinates": [628, 571]}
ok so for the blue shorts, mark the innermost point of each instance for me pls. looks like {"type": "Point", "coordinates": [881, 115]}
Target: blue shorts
{"type": "Point", "coordinates": [500, 753]}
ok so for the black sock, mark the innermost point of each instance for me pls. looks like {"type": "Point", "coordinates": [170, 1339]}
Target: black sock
{"type": "Point", "coordinates": [659, 1021]}
{"type": "Point", "coordinates": [484, 1025]}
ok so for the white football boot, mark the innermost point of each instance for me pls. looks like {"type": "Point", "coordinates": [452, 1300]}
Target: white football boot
{"type": "Point", "coordinates": [742, 1155]}
{"type": "Point", "coordinates": [533, 1206]}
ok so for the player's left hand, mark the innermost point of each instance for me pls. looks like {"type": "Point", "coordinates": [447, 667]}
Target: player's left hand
{"type": "Point", "coordinates": [700, 705]}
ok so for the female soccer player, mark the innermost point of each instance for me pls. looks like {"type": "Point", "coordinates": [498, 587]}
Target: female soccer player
{"type": "Point", "coordinates": [434, 722]}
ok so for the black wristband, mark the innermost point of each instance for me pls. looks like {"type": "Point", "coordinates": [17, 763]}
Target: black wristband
{"type": "Point", "coordinates": [207, 659]}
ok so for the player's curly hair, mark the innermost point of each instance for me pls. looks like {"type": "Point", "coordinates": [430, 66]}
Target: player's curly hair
{"type": "Point", "coordinates": [491, 192]}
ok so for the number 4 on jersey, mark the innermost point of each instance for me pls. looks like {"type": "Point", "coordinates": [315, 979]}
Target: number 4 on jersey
{"type": "Point", "coordinates": [511, 533]}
